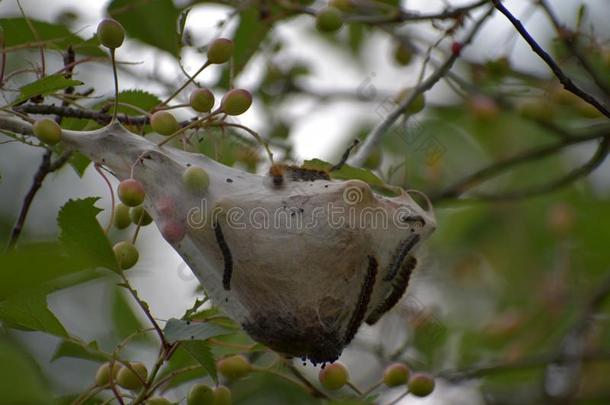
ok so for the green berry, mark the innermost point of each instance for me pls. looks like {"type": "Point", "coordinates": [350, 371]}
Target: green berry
{"type": "Point", "coordinates": [202, 100]}
{"type": "Point", "coordinates": [402, 54]}
{"type": "Point", "coordinates": [111, 33]}
{"type": "Point", "coordinates": [129, 379]}
{"type": "Point", "coordinates": [236, 102]}
{"type": "Point", "coordinates": [196, 179]}
{"type": "Point", "coordinates": [158, 401]}
{"type": "Point", "coordinates": [421, 384]}
{"type": "Point", "coordinates": [131, 192]}
{"type": "Point", "coordinates": [234, 367]}
{"type": "Point", "coordinates": [222, 395]}
{"type": "Point", "coordinates": [121, 216]}
{"type": "Point", "coordinates": [396, 374]}
{"type": "Point", "coordinates": [220, 50]}
{"type": "Point", "coordinates": [200, 394]}
{"type": "Point", "coordinates": [329, 19]}
{"type": "Point", "coordinates": [416, 106]}
{"type": "Point", "coordinates": [140, 216]}
{"type": "Point", "coordinates": [126, 254]}
{"type": "Point", "coordinates": [333, 376]}
{"type": "Point", "coordinates": [164, 123]}
{"type": "Point", "coordinates": [47, 131]}
{"type": "Point", "coordinates": [102, 377]}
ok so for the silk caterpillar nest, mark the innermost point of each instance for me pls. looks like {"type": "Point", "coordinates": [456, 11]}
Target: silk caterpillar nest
{"type": "Point", "coordinates": [300, 266]}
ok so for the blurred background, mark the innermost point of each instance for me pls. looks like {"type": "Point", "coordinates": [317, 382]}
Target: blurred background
{"type": "Point", "coordinates": [505, 281]}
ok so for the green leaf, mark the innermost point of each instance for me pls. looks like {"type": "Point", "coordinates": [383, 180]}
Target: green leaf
{"type": "Point", "coordinates": [45, 86]}
{"type": "Point", "coordinates": [201, 352]}
{"type": "Point", "coordinates": [153, 22]}
{"type": "Point", "coordinates": [177, 329]}
{"type": "Point", "coordinates": [78, 349]}
{"type": "Point", "coordinates": [79, 162]}
{"type": "Point", "coordinates": [137, 98]}
{"type": "Point", "coordinates": [29, 311]}
{"type": "Point", "coordinates": [124, 318]}
{"type": "Point", "coordinates": [21, 381]}
{"type": "Point", "coordinates": [83, 236]}
{"type": "Point", "coordinates": [55, 36]}
{"type": "Point", "coordinates": [35, 265]}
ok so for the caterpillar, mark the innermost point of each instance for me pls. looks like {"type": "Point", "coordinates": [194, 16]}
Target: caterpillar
{"type": "Point", "coordinates": [363, 300]}
{"type": "Point", "coordinates": [403, 250]}
{"type": "Point", "coordinates": [226, 254]}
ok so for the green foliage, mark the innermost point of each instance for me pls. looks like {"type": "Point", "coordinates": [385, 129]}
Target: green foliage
{"type": "Point", "coordinates": [45, 86]}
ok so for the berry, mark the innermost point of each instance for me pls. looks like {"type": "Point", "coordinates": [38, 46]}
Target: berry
{"type": "Point", "coordinates": [102, 377]}
{"type": "Point", "coordinates": [202, 100]}
{"type": "Point", "coordinates": [396, 374]}
{"type": "Point", "coordinates": [158, 401]}
{"type": "Point", "coordinates": [129, 379]}
{"type": "Point", "coordinates": [421, 384]}
{"type": "Point", "coordinates": [200, 394]}
{"type": "Point", "coordinates": [402, 54]}
{"type": "Point", "coordinates": [222, 395]}
{"type": "Point", "coordinates": [121, 216]}
{"type": "Point", "coordinates": [173, 231]}
{"type": "Point", "coordinates": [416, 106]}
{"type": "Point", "coordinates": [333, 376]}
{"type": "Point", "coordinates": [164, 123]}
{"type": "Point", "coordinates": [131, 192]}
{"type": "Point", "coordinates": [111, 33]}
{"type": "Point", "coordinates": [236, 102]}
{"type": "Point", "coordinates": [220, 50]}
{"type": "Point", "coordinates": [329, 20]}
{"type": "Point", "coordinates": [126, 254]}
{"type": "Point", "coordinates": [196, 179]}
{"type": "Point", "coordinates": [139, 215]}
{"type": "Point", "coordinates": [234, 367]}
{"type": "Point", "coordinates": [456, 48]}
{"type": "Point", "coordinates": [47, 131]}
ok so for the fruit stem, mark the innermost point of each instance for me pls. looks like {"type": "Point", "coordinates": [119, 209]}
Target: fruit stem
{"type": "Point", "coordinates": [175, 93]}
{"type": "Point", "coordinates": [112, 210]}
{"type": "Point", "coordinates": [116, 86]}
{"type": "Point", "coordinates": [191, 125]}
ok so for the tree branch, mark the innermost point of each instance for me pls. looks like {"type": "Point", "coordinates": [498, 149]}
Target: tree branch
{"type": "Point", "coordinates": [100, 117]}
{"type": "Point", "coordinates": [374, 138]}
{"type": "Point", "coordinates": [500, 167]}
{"type": "Point", "coordinates": [568, 84]}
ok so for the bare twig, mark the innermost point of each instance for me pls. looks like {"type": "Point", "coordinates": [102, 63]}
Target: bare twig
{"type": "Point", "coordinates": [568, 84]}
{"type": "Point", "coordinates": [374, 138]}
{"type": "Point", "coordinates": [404, 15]}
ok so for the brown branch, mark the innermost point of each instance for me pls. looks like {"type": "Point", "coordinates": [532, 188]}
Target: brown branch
{"type": "Point", "coordinates": [46, 167]}
{"type": "Point", "coordinates": [568, 38]}
{"type": "Point", "coordinates": [100, 117]}
{"type": "Point", "coordinates": [502, 166]}
{"type": "Point", "coordinates": [404, 15]}
{"type": "Point", "coordinates": [568, 84]}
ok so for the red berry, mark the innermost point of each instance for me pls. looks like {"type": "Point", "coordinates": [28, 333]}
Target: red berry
{"type": "Point", "coordinates": [333, 376]}
{"type": "Point", "coordinates": [173, 231]}
{"type": "Point", "coordinates": [456, 48]}
{"type": "Point", "coordinates": [131, 192]}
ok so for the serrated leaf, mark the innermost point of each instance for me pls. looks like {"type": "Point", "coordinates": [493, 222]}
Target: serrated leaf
{"type": "Point", "coordinates": [45, 86]}
{"type": "Point", "coordinates": [137, 98]}
{"type": "Point", "coordinates": [29, 311]}
{"type": "Point", "coordinates": [153, 22]}
{"type": "Point", "coordinates": [83, 236]}
{"type": "Point", "coordinates": [55, 36]}
{"type": "Point", "coordinates": [79, 162]}
{"type": "Point", "coordinates": [201, 352]}
{"type": "Point", "coordinates": [177, 329]}
{"type": "Point", "coordinates": [78, 349]}
{"type": "Point", "coordinates": [21, 381]}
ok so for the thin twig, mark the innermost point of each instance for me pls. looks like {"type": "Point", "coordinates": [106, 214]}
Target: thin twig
{"type": "Point", "coordinates": [374, 138]}
{"type": "Point", "coordinates": [568, 84]}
